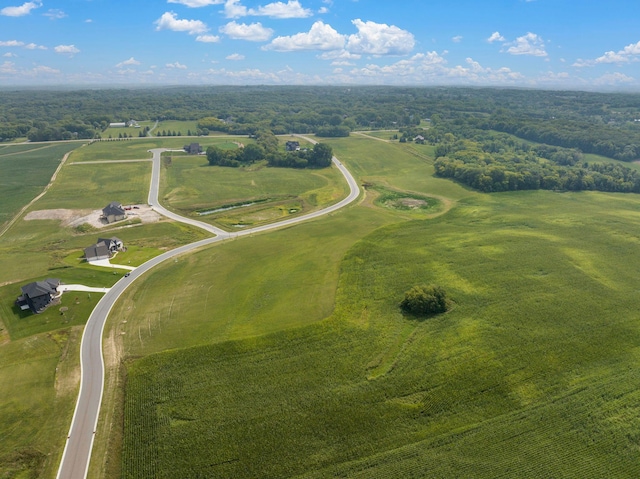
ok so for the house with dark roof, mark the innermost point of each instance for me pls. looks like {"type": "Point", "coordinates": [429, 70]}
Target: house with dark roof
{"type": "Point", "coordinates": [193, 148]}
{"type": "Point", "coordinates": [105, 248]}
{"type": "Point", "coordinates": [113, 212]}
{"type": "Point", "coordinates": [292, 146]}
{"type": "Point", "coordinates": [39, 295]}
{"type": "Point", "coordinates": [97, 252]}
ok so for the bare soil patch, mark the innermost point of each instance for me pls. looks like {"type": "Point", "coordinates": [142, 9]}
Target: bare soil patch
{"type": "Point", "coordinates": [412, 202]}
{"type": "Point", "coordinates": [74, 218]}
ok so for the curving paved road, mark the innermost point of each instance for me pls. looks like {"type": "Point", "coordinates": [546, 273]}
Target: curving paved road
{"type": "Point", "coordinates": [77, 450]}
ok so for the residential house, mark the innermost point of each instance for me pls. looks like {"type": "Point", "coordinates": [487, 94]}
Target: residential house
{"type": "Point", "coordinates": [292, 146]}
{"type": "Point", "coordinates": [419, 139]}
{"type": "Point", "coordinates": [193, 148]}
{"type": "Point", "coordinates": [39, 295]}
{"type": "Point", "coordinates": [113, 212]}
{"type": "Point", "coordinates": [103, 249]}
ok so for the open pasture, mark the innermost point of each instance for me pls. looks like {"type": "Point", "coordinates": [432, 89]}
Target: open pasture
{"type": "Point", "coordinates": [26, 170]}
{"type": "Point", "coordinates": [534, 369]}
{"type": "Point", "coordinates": [404, 167]}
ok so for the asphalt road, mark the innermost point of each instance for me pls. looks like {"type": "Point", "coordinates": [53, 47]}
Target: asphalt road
{"type": "Point", "coordinates": [77, 450]}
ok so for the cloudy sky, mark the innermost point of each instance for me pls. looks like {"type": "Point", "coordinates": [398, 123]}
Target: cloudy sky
{"type": "Point", "coordinates": [581, 44]}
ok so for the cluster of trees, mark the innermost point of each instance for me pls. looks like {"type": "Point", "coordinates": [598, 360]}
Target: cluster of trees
{"type": "Point", "coordinates": [497, 162]}
{"type": "Point", "coordinates": [267, 148]}
{"type": "Point", "coordinates": [425, 300]}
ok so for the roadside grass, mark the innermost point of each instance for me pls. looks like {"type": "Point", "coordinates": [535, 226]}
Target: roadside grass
{"type": "Point", "coordinates": [26, 170]}
{"type": "Point", "coordinates": [127, 183]}
{"type": "Point", "coordinates": [39, 378]}
{"type": "Point", "coordinates": [534, 370]}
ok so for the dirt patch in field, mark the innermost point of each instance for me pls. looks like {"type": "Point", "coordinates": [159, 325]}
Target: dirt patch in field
{"type": "Point", "coordinates": [412, 202]}
{"type": "Point", "coordinates": [74, 218]}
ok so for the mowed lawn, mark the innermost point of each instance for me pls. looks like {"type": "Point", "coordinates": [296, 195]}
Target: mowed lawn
{"type": "Point", "coordinates": [533, 373]}
{"type": "Point", "coordinates": [26, 170]}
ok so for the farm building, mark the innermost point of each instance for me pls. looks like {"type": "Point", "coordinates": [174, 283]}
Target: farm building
{"type": "Point", "coordinates": [39, 295]}
{"type": "Point", "coordinates": [113, 212]}
{"type": "Point", "coordinates": [117, 125]}
{"type": "Point", "coordinates": [103, 249]}
{"type": "Point", "coordinates": [193, 148]}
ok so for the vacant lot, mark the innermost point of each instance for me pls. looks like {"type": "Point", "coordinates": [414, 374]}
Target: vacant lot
{"type": "Point", "coordinates": [193, 186]}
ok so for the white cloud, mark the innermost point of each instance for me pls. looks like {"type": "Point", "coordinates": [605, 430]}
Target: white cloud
{"type": "Point", "coordinates": [22, 10]}
{"type": "Point", "coordinates": [196, 3]}
{"type": "Point", "coordinates": [45, 69]}
{"type": "Point", "coordinates": [33, 46]}
{"type": "Point", "coordinates": [321, 36]}
{"type": "Point", "coordinates": [130, 61]}
{"type": "Point", "coordinates": [495, 37]}
{"type": "Point", "coordinates": [66, 49]}
{"type": "Point", "coordinates": [88, 20]}
{"type": "Point", "coordinates": [208, 38]}
{"type": "Point", "coordinates": [170, 21]}
{"type": "Point", "coordinates": [233, 9]}
{"type": "Point", "coordinates": [9, 55]}
{"type": "Point", "coordinates": [529, 44]}
{"type": "Point", "coordinates": [379, 39]}
{"type": "Point", "coordinates": [254, 32]}
{"type": "Point", "coordinates": [457, 39]}
{"type": "Point", "coordinates": [8, 68]}
{"type": "Point", "coordinates": [291, 9]}
{"type": "Point", "coordinates": [323, 10]}
{"type": "Point", "coordinates": [235, 57]}
{"type": "Point", "coordinates": [176, 65]}
{"type": "Point", "coordinates": [613, 79]}
{"type": "Point", "coordinates": [339, 55]}
{"type": "Point", "coordinates": [627, 54]}
{"type": "Point", "coordinates": [55, 14]}
{"type": "Point", "coordinates": [11, 43]}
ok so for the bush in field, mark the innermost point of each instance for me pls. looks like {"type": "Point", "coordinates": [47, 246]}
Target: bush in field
{"type": "Point", "coordinates": [425, 300]}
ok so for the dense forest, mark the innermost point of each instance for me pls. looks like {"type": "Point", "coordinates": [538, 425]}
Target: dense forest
{"type": "Point", "coordinates": [593, 122]}
{"type": "Point", "coordinates": [481, 135]}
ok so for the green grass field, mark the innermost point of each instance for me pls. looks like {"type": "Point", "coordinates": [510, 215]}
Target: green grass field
{"type": "Point", "coordinates": [534, 370]}
{"type": "Point", "coordinates": [192, 186]}
{"type": "Point", "coordinates": [531, 374]}
{"type": "Point", "coordinates": [26, 170]}
{"type": "Point", "coordinates": [178, 126]}
{"type": "Point", "coordinates": [285, 354]}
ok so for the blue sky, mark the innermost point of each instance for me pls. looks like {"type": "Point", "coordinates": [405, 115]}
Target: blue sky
{"type": "Point", "coordinates": [569, 44]}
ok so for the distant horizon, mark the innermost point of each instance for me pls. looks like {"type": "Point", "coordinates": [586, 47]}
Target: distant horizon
{"type": "Point", "coordinates": [533, 44]}
{"type": "Point", "coordinates": [160, 86]}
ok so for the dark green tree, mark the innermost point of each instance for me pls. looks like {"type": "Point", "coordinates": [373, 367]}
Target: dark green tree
{"type": "Point", "coordinates": [425, 300]}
